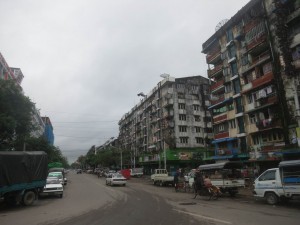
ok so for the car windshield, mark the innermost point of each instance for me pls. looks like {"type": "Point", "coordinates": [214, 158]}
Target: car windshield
{"type": "Point", "coordinates": [52, 181]}
{"type": "Point", "coordinates": [117, 175]}
{"type": "Point", "coordinates": [59, 176]}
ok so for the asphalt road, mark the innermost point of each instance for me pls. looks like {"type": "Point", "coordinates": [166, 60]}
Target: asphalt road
{"type": "Point", "coordinates": [87, 201]}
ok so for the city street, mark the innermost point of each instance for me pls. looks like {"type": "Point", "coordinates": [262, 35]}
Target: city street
{"type": "Point", "coordinates": [87, 200]}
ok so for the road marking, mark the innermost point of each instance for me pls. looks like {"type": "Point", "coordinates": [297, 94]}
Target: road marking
{"type": "Point", "coordinates": [204, 217]}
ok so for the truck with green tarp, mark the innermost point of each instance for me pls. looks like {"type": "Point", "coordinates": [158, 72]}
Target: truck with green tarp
{"type": "Point", "coordinates": [23, 176]}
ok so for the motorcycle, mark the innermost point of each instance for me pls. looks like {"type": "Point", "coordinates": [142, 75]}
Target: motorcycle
{"type": "Point", "coordinates": [212, 192]}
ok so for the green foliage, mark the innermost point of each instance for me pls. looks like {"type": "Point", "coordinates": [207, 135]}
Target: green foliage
{"type": "Point", "coordinates": [16, 112]}
{"type": "Point", "coordinates": [15, 115]}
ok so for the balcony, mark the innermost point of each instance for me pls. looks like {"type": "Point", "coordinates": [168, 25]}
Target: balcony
{"type": "Point", "coordinates": [217, 85]}
{"type": "Point", "coordinates": [214, 71]}
{"type": "Point", "coordinates": [258, 82]}
{"type": "Point", "coordinates": [256, 41]}
{"type": "Point", "coordinates": [249, 26]}
{"type": "Point", "coordinates": [168, 102]}
{"type": "Point", "coordinates": [213, 57]}
{"type": "Point", "coordinates": [168, 114]}
{"type": "Point", "coordinates": [221, 135]}
{"type": "Point", "coordinates": [268, 124]}
{"type": "Point", "coordinates": [219, 119]}
{"type": "Point", "coordinates": [218, 100]}
{"type": "Point", "coordinates": [263, 80]}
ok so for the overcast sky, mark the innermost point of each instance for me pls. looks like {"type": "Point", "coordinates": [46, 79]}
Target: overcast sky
{"type": "Point", "coordinates": [85, 61]}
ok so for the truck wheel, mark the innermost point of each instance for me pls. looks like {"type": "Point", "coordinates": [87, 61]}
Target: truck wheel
{"type": "Point", "coordinates": [271, 198]}
{"type": "Point", "coordinates": [28, 198]}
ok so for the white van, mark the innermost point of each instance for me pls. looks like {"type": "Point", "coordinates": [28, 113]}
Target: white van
{"type": "Point", "coordinates": [279, 184]}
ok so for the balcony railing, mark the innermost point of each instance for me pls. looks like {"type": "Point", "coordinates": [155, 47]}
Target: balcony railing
{"type": "Point", "coordinates": [220, 99]}
{"type": "Point", "coordinates": [222, 135]}
{"type": "Point", "coordinates": [215, 70]}
{"type": "Point", "coordinates": [213, 55]}
{"type": "Point", "coordinates": [268, 123]}
{"type": "Point", "coordinates": [220, 118]}
{"type": "Point", "coordinates": [263, 80]}
{"type": "Point", "coordinates": [256, 41]}
{"type": "Point", "coordinates": [268, 77]}
{"type": "Point", "coordinates": [217, 85]}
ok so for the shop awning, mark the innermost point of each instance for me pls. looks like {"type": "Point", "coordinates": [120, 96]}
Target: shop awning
{"type": "Point", "coordinates": [223, 140]}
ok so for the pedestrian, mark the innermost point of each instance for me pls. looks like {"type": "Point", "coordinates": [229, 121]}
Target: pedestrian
{"type": "Point", "coordinates": [176, 179]}
{"type": "Point", "coordinates": [255, 172]}
{"type": "Point", "coordinates": [207, 181]}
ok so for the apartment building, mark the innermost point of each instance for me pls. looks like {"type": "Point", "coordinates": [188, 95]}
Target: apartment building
{"type": "Point", "coordinates": [171, 126]}
{"type": "Point", "coordinates": [255, 102]}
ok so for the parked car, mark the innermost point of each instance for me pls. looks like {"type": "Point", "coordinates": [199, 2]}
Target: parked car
{"type": "Point", "coordinates": [115, 179]}
{"type": "Point", "coordinates": [53, 187]}
{"type": "Point", "coordinates": [79, 171]}
{"type": "Point", "coordinates": [60, 177]}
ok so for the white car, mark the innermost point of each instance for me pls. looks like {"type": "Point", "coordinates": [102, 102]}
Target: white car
{"type": "Point", "coordinates": [115, 179]}
{"type": "Point", "coordinates": [53, 187]}
{"type": "Point", "coordinates": [60, 176]}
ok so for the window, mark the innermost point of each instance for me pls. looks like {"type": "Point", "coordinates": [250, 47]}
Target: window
{"type": "Point", "coordinates": [182, 128]}
{"type": "Point", "coordinates": [198, 129]}
{"type": "Point", "coordinates": [234, 68]}
{"type": "Point", "coordinates": [229, 35]}
{"type": "Point", "coordinates": [267, 68]}
{"type": "Point", "coordinates": [197, 118]}
{"type": "Point", "coordinates": [237, 87]}
{"type": "Point", "coordinates": [228, 88]}
{"type": "Point", "coordinates": [250, 98]}
{"type": "Point", "coordinates": [245, 60]}
{"type": "Point", "coordinates": [181, 106]}
{"type": "Point", "coordinates": [252, 118]}
{"type": "Point", "coordinates": [232, 124]}
{"type": "Point", "coordinates": [256, 32]}
{"type": "Point", "coordinates": [221, 127]}
{"type": "Point", "coordinates": [199, 140]}
{"type": "Point", "coordinates": [226, 71]}
{"type": "Point", "coordinates": [269, 175]}
{"type": "Point", "coordinates": [184, 140]}
{"type": "Point", "coordinates": [194, 88]}
{"type": "Point", "coordinates": [230, 107]}
{"type": "Point", "coordinates": [231, 52]}
{"type": "Point", "coordinates": [180, 86]}
{"type": "Point", "coordinates": [182, 117]}
{"type": "Point", "coordinates": [256, 140]}
{"type": "Point", "coordinates": [196, 107]}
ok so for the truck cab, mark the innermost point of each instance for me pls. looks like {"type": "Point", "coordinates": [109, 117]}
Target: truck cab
{"type": "Point", "coordinates": [279, 184]}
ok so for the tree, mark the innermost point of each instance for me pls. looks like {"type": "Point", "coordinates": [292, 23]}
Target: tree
{"type": "Point", "coordinates": [15, 116]}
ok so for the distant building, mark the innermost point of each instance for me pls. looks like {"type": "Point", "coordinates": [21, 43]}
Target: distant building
{"type": "Point", "coordinates": [38, 123]}
{"type": "Point", "coordinates": [48, 130]}
{"type": "Point", "coordinates": [171, 126]}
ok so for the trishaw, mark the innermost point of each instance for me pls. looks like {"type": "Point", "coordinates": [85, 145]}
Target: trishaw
{"type": "Point", "coordinates": [226, 176]}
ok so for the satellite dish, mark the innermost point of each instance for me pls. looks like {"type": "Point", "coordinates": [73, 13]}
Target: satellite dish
{"type": "Point", "coordinates": [221, 24]}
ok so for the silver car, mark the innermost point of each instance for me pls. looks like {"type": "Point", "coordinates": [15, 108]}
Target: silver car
{"type": "Point", "coordinates": [53, 187]}
{"type": "Point", "coordinates": [115, 179]}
